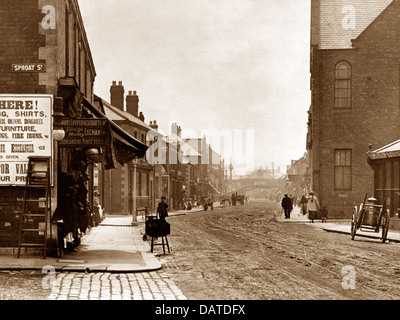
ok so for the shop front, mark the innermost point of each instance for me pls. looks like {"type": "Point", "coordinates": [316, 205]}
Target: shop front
{"type": "Point", "coordinates": [46, 110]}
{"type": "Point", "coordinates": [385, 163]}
{"type": "Point", "coordinates": [80, 142]}
{"type": "Point", "coordinates": [92, 143]}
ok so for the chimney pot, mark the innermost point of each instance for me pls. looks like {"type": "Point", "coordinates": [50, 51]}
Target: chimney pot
{"type": "Point", "coordinates": [120, 83]}
{"type": "Point", "coordinates": [153, 125]}
{"type": "Point", "coordinates": [114, 83]}
{"type": "Point", "coordinates": [141, 116]}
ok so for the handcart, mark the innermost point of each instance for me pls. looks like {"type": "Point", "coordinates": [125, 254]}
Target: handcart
{"type": "Point", "coordinates": [158, 228]}
{"type": "Point", "coordinates": [371, 217]}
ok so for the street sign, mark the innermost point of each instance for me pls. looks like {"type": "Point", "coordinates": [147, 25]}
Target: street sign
{"type": "Point", "coordinates": [29, 67]}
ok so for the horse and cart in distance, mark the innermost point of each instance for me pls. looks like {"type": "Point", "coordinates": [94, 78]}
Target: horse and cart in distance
{"type": "Point", "coordinates": [371, 217]}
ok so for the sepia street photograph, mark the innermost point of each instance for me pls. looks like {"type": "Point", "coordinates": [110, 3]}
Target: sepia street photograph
{"type": "Point", "coordinates": [199, 157]}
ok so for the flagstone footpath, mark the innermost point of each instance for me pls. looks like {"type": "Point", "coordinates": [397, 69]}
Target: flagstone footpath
{"type": "Point", "coordinates": [111, 286]}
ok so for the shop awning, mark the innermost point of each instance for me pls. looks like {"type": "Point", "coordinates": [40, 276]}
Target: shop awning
{"type": "Point", "coordinates": [212, 188]}
{"type": "Point", "coordinates": [391, 150]}
{"type": "Point", "coordinates": [122, 147]}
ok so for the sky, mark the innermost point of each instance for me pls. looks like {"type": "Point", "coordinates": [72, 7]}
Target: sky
{"type": "Point", "coordinates": [236, 68]}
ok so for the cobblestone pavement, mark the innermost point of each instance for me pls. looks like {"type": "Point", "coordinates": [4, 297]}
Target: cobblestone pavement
{"type": "Point", "coordinates": [114, 286]}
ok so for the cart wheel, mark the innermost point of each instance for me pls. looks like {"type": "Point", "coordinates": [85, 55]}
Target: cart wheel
{"type": "Point", "coordinates": [354, 223]}
{"type": "Point", "coordinates": [385, 226]}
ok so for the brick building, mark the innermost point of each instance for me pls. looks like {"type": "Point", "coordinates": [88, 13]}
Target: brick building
{"type": "Point", "coordinates": [117, 186]}
{"type": "Point", "coordinates": [385, 162]}
{"type": "Point", "coordinates": [46, 77]}
{"type": "Point", "coordinates": [355, 85]}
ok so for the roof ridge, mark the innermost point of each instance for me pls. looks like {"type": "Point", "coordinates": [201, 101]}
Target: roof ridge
{"type": "Point", "coordinates": [372, 22]}
{"type": "Point", "coordinates": [125, 114]}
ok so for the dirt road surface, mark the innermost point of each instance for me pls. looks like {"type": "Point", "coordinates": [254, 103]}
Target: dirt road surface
{"type": "Point", "coordinates": [243, 253]}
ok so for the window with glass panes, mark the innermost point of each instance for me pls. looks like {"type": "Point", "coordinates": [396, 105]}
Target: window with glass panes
{"type": "Point", "coordinates": [343, 169]}
{"type": "Point", "coordinates": [343, 85]}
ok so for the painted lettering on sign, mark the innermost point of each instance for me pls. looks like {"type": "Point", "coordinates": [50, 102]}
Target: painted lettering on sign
{"type": "Point", "coordinates": [32, 67]}
{"type": "Point", "coordinates": [25, 130]}
{"type": "Point", "coordinates": [84, 132]}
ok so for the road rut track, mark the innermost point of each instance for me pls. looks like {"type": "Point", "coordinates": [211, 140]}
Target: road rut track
{"type": "Point", "coordinates": [242, 253]}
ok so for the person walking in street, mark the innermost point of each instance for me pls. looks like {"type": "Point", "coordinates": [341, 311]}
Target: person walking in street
{"type": "Point", "coordinates": [96, 207]}
{"type": "Point", "coordinates": [287, 206]}
{"type": "Point", "coordinates": [162, 209]}
{"type": "Point", "coordinates": [303, 205]}
{"type": "Point", "coordinates": [312, 206]}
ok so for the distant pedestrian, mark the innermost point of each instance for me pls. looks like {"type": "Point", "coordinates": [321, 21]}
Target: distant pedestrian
{"type": "Point", "coordinates": [303, 205]}
{"type": "Point", "coordinates": [312, 206]}
{"type": "Point", "coordinates": [162, 209]}
{"type": "Point", "coordinates": [234, 199]}
{"type": "Point", "coordinates": [287, 206]}
{"type": "Point", "coordinates": [97, 207]}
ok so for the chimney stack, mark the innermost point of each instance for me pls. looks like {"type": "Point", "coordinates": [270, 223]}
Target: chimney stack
{"type": "Point", "coordinates": [175, 129]}
{"type": "Point", "coordinates": [154, 125]}
{"type": "Point", "coordinates": [117, 95]}
{"type": "Point", "coordinates": [141, 116]}
{"type": "Point", "coordinates": [132, 103]}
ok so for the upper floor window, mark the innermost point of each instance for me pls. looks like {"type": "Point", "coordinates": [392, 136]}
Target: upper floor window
{"type": "Point", "coordinates": [343, 85]}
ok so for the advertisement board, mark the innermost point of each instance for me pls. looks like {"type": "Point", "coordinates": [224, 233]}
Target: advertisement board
{"type": "Point", "coordinates": [83, 132]}
{"type": "Point", "coordinates": [25, 130]}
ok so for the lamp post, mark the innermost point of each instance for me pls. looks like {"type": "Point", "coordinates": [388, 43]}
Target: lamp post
{"type": "Point", "coordinates": [134, 212]}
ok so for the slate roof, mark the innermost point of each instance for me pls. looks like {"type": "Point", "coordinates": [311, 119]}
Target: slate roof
{"type": "Point", "coordinates": [332, 14]}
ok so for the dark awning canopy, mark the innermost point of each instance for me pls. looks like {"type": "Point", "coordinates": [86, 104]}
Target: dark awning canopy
{"type": "Point", "coordinates": [119, 145]}
{"type": "Point", "coordinates": [212, 188]}
{"type": "Point", "coordinates": [122, 147]}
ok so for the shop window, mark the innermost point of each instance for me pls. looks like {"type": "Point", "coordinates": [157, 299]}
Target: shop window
{"type": "Point", "coordinates": [343, 169]}
{"type": "Point", "coordinates": [343, 85]}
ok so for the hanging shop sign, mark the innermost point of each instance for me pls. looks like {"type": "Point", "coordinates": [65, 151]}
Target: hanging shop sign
{"type": "Point", "coordinates": [84, 133]}
{"type": "Point", "coordinates": [25, 130]}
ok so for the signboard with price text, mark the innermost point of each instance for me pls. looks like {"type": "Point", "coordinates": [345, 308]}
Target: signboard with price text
{"type": "Point", "coordinates": [25, 130]}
